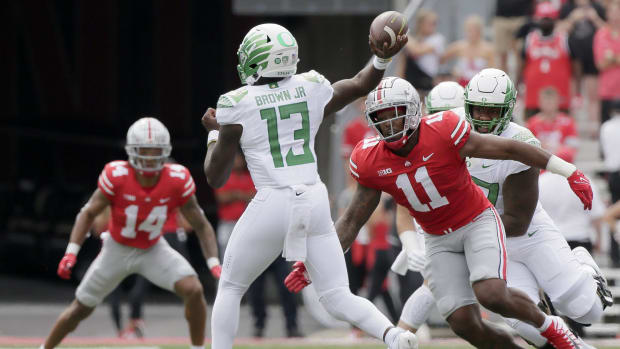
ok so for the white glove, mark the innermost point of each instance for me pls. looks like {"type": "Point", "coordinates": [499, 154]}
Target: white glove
{"type": "Point", "coordinates": [416, 260]}
{"type": "Point", "coordinates": [416, 257]}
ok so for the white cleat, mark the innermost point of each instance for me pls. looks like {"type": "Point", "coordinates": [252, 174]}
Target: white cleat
{"type": "Point", "coordinates": [403, 340]}
{"type": "Point", "coordinates": [407, 340]}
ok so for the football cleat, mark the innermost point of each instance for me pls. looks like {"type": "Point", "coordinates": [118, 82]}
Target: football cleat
{"type": "Point", "coordinates": [561, 337]}
{"type": "Point", "coordinates": [403, 340]}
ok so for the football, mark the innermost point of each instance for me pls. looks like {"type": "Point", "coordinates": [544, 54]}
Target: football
{"type": "Point", "coordinates": [386, 27]}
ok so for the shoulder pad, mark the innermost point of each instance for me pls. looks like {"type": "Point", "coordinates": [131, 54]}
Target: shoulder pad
{"type": "Point", "coordinates": [526, 136]}
{"type": "Point", "coordinates": [232, 98]}
{"type": "Point", "coordinates": [313, 76]}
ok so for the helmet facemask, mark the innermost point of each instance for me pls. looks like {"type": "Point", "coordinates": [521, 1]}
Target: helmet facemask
{"type": "Point", "coordinates": [148, 146]}
{"type": "Point", "coordinates": [396, 138]}
{"type": "Point", "coordinates": [490, 88]}
{"type": "Point", "coordinates": [494, 126]}
{"type": "Point", "coordinates": [397, 95]}
{"type": "Point", "coordinates": [148, 159]}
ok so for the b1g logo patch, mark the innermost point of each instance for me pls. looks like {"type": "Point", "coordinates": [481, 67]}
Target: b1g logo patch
{"type": "Point", "coordinates": [384, 172]}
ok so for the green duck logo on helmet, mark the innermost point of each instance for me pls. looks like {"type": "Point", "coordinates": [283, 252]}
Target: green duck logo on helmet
{"type": "Point", "coordinates": [267, 50]}
{"type": "Point", "coordinates": [490, 88]}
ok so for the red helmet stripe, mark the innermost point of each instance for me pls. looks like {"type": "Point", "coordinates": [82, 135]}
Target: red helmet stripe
{"type": "Point", "coordinates": [379, 90]}
{"type": "Point", "coordinates": [148, 122]}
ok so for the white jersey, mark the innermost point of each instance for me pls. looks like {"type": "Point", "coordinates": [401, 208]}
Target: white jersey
{"type": "Point", "coordinates": [490, 175]}
{"type": "Point", "coordinates": [280, 121]}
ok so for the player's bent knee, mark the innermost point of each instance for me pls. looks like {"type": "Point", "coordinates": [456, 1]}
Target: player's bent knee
{"type": "Point", "coordinates": [79, 311]}
{"type": "Point", "coordinates": [579, 301]}
{"type": "Point", "coordinates": [189, 288]}
{"type": "Point", "coordinates": [492, 298]}
{"type": "Point", "coordinates": [335, 302]}
{"type": "Point", "coordinates": [594, 315]}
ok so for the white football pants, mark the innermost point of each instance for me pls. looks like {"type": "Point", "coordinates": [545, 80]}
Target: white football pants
{"type": "Point", "coordinates": [258, 238]}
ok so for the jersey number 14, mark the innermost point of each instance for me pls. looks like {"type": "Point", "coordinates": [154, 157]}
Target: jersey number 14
{"type": "Point", "coordinates": [152, 224]}
{"type": "Point", "coordinates": [303, 133]}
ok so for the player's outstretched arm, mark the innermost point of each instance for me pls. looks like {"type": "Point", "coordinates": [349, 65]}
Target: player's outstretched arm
{"type": "Point", "coordinates": [204, 231]}
{"type": "Point", "coordinates": [493, 147]}
{"type": "Point", "coordinates": [520, 191]}
{"type": "Point", "coordinates": [221, 149]}
{"type": "Point", "coordinates": [363, 204]}
{"type": "Point", "coordinates": [348, 90]}
{"type": "Point", "coordinates": [83, 222]}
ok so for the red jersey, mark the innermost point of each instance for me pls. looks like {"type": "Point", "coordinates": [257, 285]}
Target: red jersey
{"type": "Point", "coordinates": [559, 135]}
{"type": "Point", "coordinates": [432, 181]}
{"type": "Point", "coordinates": [138, 213]}
{"type": "Point", "coordinates": [240, 181]}
{"type": "Point", "coordinates": [547, 63]}
{"type": "Point", "coordinates": [355, 131]}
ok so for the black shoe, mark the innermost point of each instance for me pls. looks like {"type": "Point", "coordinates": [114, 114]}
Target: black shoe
{"type": "Point", "coordinates": [294, 333]}
{"type": "Point", "coordinates": [259, 332]}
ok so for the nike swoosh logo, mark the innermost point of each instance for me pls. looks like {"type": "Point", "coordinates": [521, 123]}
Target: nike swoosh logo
{"type": "Point", "coordinates": [532, 233]}
{"type": "Point", "coordinates": [162, 201]}
{"type": "Point", "coordinates": [424, 158]}
{"type": "Point", "coordinates": [297, 194]}
{"type": "Point", "coordinates": [485, 166]}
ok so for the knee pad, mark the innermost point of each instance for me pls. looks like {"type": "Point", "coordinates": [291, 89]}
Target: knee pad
{"type": "Point", "coordinates": [594, 315]}
{"type": "Point", "coordinates": [579, 300]}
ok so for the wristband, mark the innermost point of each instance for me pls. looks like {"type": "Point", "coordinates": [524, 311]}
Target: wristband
{"type": "Point", "coordinates": [559, 166]}
{"type": "Point", "coordinates": [212, 137]}
{"type": "Point", "coordinates": [408, 239]}
{"type": "Point", "coordinates": [381, 63]}
{"type": "Point", "coordinates": [213, 262]}
{"type": "Point", "coordinates": [72, 248]}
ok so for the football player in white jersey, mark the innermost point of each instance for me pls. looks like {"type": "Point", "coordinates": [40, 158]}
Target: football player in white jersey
{"type": "Point", "coordinates": [275, 119]}
{"type": "Point", "coordinates": [539, 257]}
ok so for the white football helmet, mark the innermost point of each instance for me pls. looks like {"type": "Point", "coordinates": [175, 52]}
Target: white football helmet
{"type": "Point", "coordinates": [490, 88]}
{"type": "Point", "coordinates": [445, 96]}
{"type": "Point", "coordinates": [397, 93]}
{"type": "Point", "coordinates": [268, 50]}
{"type": "Point", "coordinates": [148, 133]}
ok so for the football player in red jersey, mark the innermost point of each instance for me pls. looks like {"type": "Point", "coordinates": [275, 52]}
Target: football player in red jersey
{"type": "Point", "coordinates": [421, 163]}
{"type": "Point", "coordinates": [141, 194]}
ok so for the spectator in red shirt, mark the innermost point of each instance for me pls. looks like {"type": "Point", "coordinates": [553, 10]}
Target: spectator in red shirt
{"type": "Point", "coordinates": [547, 59]}
{"type": "Point", "coordinates": [555, 130]}
{"type": "Point", "coordinates": [607, 58]}
{"type": "Point", "coordinates": [232, 199]}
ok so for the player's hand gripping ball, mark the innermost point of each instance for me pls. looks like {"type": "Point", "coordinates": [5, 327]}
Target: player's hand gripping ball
{"type": "Point", "coordinates": [388, 34]}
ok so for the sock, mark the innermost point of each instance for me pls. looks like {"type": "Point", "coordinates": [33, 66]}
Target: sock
{"type": "Point", "coordinates": [418, 307]}
{"type": "Point", "coordinates": [545, 324]}
{"type": "Point", "coordinates": [527, 332]}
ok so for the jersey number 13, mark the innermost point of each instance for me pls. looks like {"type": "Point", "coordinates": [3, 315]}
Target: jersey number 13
{"type": "Point", "coordinates": [285, 111]}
